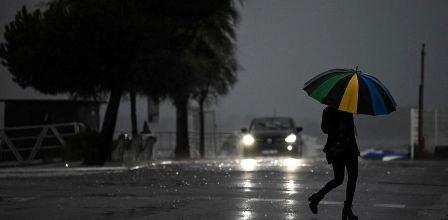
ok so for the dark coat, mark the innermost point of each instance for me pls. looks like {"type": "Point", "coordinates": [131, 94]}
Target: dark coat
{"type": "Point", "coordinates": [341, 141]}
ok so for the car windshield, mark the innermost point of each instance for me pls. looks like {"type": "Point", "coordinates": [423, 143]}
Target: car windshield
{"type": "Point", "coordinates": [271, 124]}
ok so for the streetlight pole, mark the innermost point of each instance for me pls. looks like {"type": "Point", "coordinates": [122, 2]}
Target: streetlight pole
{"type": "Point", "coordinates": [421, 138]}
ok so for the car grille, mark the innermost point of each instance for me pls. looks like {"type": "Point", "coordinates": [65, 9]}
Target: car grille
{"type": "Point", "coordinates": [270, 140]}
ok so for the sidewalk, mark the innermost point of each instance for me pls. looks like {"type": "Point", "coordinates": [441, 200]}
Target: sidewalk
{"type": "Point", "coordinates": [58, 169]}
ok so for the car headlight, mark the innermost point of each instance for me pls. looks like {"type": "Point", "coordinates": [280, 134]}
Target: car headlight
{"type": "Point", "coordinates": [248, 140]}
{"type": "Point", "coordinates": [291, 138]}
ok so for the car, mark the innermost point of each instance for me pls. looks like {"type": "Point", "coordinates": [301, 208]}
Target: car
{"type": "Point", "coordinates": [269, 136]}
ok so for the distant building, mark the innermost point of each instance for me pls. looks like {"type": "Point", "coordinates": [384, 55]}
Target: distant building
{"type": "Point", "coordinates": [26, 112]}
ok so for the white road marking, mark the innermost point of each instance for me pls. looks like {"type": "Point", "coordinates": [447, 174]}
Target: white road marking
{"type": "Point", "coordinates": [396, 206]}
{"type": "Point", "coordinates": [267, 200]}
{"type": "Point", "coordinates": [331, 202]}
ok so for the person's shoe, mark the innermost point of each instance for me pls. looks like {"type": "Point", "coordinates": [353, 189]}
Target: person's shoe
{"type": "Point", "coordinates": [347, 212]}
{"type": "Point", "coordinates": [314, 201]}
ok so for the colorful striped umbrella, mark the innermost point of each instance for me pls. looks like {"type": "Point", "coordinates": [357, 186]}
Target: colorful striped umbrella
{"type": "Point", "coordinates": [351, 91]}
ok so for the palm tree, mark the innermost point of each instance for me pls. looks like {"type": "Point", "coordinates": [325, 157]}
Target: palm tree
{"type": "Point", "coordinates": [216, 46]}
{"type": "Point", "coordinates": [205, 40]}
{"type": "Point", "coordinates": [218, 75]}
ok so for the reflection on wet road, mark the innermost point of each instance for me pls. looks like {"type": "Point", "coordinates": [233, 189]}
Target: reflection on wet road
{"type": "Point", "coordinates": [250, 188]}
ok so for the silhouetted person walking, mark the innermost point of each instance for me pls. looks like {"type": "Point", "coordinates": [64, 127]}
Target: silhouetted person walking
{"type": "Point", "coordinates": [342, 152]}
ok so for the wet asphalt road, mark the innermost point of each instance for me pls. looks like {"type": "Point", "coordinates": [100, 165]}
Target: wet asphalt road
{"type": "Point", "coordinates": [262, 188]}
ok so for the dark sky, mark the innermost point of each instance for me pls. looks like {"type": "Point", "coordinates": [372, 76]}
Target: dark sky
{"type": "Point", "coordinates": [281, 44]}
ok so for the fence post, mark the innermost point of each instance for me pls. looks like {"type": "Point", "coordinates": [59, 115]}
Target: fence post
{"type": "Point", "coordinates": [413, 116]}
{"type": "Point", "coordinates": [76, 127]}
{"type": "Point", "coordinates": [1, 142]}
{"type": "Point", "coordinates": [38, 142]}
{"type": "Point", "coordinates": [11, 146]}
{"type": "Point", "coordinates": [436, 128]}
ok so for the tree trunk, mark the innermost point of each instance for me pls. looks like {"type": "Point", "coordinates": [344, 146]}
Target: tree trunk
{"type": "Point", "coordinates": [133, 114]}
{"type": "Point", "coordinates": [110, 120]}
{"type": "Point", "coordinates": [182, 150]}
{"type": "Point", "coordinates": [201, 127]}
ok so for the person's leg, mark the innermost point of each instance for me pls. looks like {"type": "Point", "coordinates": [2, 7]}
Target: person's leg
{"type": "Point", "coordinates": [338, 170]}
{"type": "Point", "coordinates": [352, 177]}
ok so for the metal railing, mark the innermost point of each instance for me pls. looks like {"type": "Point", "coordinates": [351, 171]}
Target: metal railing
{"type": "Point", "coordinates": [25, 142]}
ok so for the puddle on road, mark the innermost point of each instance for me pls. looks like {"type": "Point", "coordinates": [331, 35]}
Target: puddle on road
{"type": "Point", "coordinates": [109, 195]}
{"type": "Point", "coordinates": [15, 199]}
{"type": "Point", "coordinates": [144, 211]}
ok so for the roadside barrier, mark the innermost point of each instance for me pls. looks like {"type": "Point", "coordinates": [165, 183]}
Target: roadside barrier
{"type": "Point", "coordinates": [25, 143]}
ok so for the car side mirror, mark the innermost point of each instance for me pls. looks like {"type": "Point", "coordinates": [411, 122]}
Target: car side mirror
{"type": "Point", "coordinates": [299, 129]}
{"type": "Point", "coordinates": [244, 130]}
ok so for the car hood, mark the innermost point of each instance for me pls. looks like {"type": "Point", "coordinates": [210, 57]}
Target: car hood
{"type": "Point", "coordinates": [271, 133]}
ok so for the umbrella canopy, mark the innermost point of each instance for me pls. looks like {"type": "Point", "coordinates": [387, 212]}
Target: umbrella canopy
{"type": "Point", "coordinates": [351, 91]}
